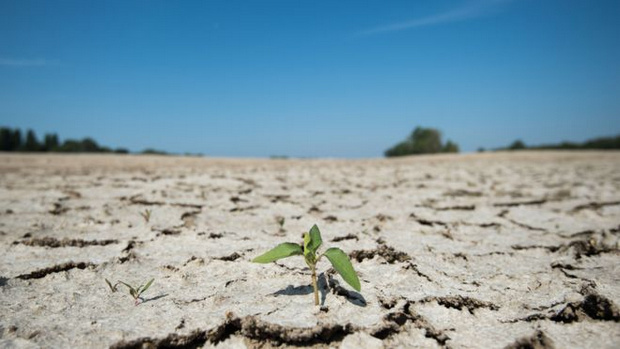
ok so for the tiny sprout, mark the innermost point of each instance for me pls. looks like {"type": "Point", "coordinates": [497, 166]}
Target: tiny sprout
{"type": "Point", "coordinates": [135, 292]}
{"type": "Point", "coordinates": [146, 215]}
{"type": "Point", "coordinates": [280, 220]}
{"type": "Point", "coordinates": [312, 241]}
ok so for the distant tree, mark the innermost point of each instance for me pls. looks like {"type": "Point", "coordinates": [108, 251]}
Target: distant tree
{"type": "Point", "coordinates": [400, 149]}
{"type": "Point", "coordinates": [481, 150]}
{"type": "Point", "coordinates": [86, 145]}
{"type": "Point", "coordinates": [16, 142]}
{"type": "Point", "coordinates": [517, 145]}
{"type": "Point", "coordinates": [50, 142]}
{"type": "Point", "coordinates": [422, 141]}
{"type": "Point", "coordinates": [121, 151]}
{"type": "Point", "coordinates": [450, 147]}
{"type": "Point", "coordinates": [425, 140]}
{"type": "Point", "coordinates": [32, 144]}
{"type": "Point", "coordinates": [70, 146]}
{"type": "Point", "coordinates": [89, 145]}
{"type": "Point", "coordinates": [603, 143]}
{"type": "Point", "coordinates": [151, 151]}
{"type": "Point", "coordinates": [6, 139]}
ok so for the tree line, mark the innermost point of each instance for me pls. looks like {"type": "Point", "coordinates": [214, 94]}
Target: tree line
{"type": "Point", "coordinates": [12, 140]}
{"type": "Point", "coordinates": [601, 143]}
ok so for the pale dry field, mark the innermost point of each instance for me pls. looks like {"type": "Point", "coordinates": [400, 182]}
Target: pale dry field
{"type": "Point", "coordinates": [471, 251]}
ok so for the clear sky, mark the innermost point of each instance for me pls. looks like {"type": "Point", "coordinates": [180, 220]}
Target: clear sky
{"type": "Point", "coordinates": [310, 78]}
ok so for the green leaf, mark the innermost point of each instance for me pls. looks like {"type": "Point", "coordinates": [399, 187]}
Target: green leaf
{"type": "Point", "coordinates": [126, 284]}
{"type": "Point", "coordinates": [132, 291]}
{"type": "Point", "coordinates": [148, 284]}
{"type": "Point", "coordinates": [340, 261]}
{"type": "Point", "coordinates": [315, 240]}
{"type": "Point", "coordinates": [307, 251]}
{"type": "Point", "coordinates": [283, 250]}
{"type": "Point", "coordinates": [110, 284]}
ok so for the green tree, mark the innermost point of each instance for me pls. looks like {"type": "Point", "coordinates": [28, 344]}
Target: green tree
{"type": "Point", "coordinates": [6, 139]}
{"type": "Point", "coordinates": [16, 140]}
{"type": "Point", "coordinates": [450, 147]}
{"type": "Point", "coordinates": [86, 145]}
{"type": "Point", "coordinates": [51, 142]}
{"type": "Point", "coordinates": [32, 144]}
{"type": "Point", "coordinates": [422, 141]}
{"type": "Point", "coordinates": [517, 145]}
{"type": "Point", "coordinates": [90, 146]}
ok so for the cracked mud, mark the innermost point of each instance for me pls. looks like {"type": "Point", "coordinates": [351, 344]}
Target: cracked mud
{"type": "Point", "coordinates": [495, 250]}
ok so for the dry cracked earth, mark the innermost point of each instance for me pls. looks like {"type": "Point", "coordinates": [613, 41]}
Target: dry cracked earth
{"type": "Point", "coordinates": [474, 251]}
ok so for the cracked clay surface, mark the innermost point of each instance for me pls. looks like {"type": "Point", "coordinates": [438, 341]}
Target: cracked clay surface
{"type": "Point", "coordinates": [501, 250]}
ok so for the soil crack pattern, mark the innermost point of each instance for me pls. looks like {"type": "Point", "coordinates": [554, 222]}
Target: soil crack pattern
{"type": "Point", "coordinates": [520, 203]}
{"type": "Point", "coordinates": [460, 302]}
{"type": "Point", "coordinates": [230, 258]}
{"type": "Point", "coordinates": [500, 249]}
{"type": "Point", "coordinates": [394, 322]}
{"type": "Point", "coordinates": [249, 327]}
{"type": "Point", "coordinates": [387, 252]}
{"type": "Point", "coordinates": [56, 243]}
{"type": "Point", "coordinates": [456, 208]}
{"type": "Point", "coordinates": [595, 205]}
{"type": "Point", "coordinates": [537, 341]}
{"type": "Point", "coordinates": [592, 307]}
{"type": "Point", "coordinates": [41, 273]}
{"type": "Point", "coordinates": [427, 222]}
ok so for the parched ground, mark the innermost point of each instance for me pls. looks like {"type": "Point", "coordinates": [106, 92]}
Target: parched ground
{"type": "Point", "coordinates": [472, 251]}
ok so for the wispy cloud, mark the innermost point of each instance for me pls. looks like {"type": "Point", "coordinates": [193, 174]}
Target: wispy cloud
{"type": "Point", "coordinates": [469, 10]}
{"type": "Point", "coordinates": [23, 62]}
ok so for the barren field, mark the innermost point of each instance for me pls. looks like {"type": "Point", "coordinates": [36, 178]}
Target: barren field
{"type": "Point", "coordinates": [472, 251]}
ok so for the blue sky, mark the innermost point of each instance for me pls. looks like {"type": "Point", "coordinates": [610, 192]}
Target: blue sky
{"type": "Point", "coordinates": [310, 78]}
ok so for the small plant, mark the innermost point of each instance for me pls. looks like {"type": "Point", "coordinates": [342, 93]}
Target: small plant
{"type": "Point", "coordinates": [135, 292]}
{"type": "Point", "coordinates": [312, 242]}
{"type": "Point", "coordinates": [146, 215]}
{"type": "Point", "coordinates": [280, 221]}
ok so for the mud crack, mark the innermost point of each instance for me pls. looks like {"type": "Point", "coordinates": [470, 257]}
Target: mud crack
{"type": "Point", "coordinates": [520, 203]}
{"type": "Point", "coordinates": [258, 331]}
{"type": "Point", "coordinates": [41, 273]}
{"type": "Point", "coordinates": [230, 258]}
{"type": "Point", "coordinates": [537, 341]}
{"type": "Point", "coordinates": [593, 306]}
{"type": "Point", "coordinates": [427, 222]}
{"type": "Point", "coordinates": [456, 208]}
{"type": "Point", "coordinates": [55, 243]}
{"type": "Point", "coordinates": [393, 324]}
{"type": "Point", "coordinates": [189, 218]}
{"type": "Point", "coordinates": [346, 237]}
{"type": "Point", "coordinates": [460, 303]}
{"type": "Point", "coordinates": [387, 252]}
{"type": "Point", "coordinates": [58, 209]}
{"type": "Point", "coordinates": [595, 205]}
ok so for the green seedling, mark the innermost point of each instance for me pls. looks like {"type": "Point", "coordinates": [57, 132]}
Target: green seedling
{"type": "Point", "coordinates": [312, 241]}
{"type": "Point", "coordinates": [146, 215]}
{"type": "Point", "coordinates": [135, 292]}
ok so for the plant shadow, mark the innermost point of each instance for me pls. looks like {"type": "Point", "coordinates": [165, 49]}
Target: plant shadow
{"type": "Point", "coordinates": [324, 286]}
{"type": "Point", "coordinates": [154, 298]}
{"type": "Point", "coordinates": [353, 297]}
